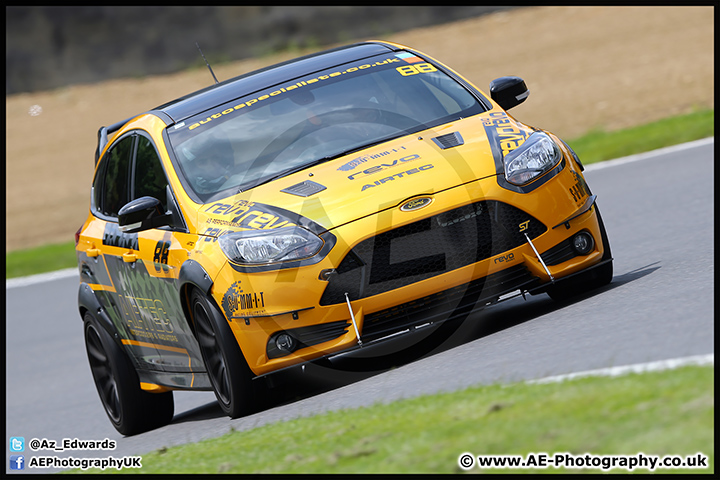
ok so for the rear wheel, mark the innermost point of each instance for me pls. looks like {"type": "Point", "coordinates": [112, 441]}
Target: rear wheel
{"type": "Point", "coordinates": [130, 409]}
{"type": "Point", "coordinates": [590, 280]}
{"type": "Point", "coordinates": [229, 373]}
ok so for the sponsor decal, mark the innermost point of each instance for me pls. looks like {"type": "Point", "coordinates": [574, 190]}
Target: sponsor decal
{"type": "Point", "coordinates": [229, 109]}
{"type": "Point", "coordinates": [451, 218]}
{"type": "Point", "coordinates": [580, 188]}
{"type": "Point", "coordinates": [355, 162]}
{"type": "Point", "coordinates": [235, 299]}
{"type": "Point", "coordinates": [409, 57]}
{"type": "Point", "coordinates": [400, 175]}
{"type": "Point", "coordinates": [229, 209]}
{"type": "Point", "coordinates": [503, 132]}
{"type": "Point", "coordinates": [504, 258]}
{"type": "Point", "coordinates": [148, 308]}
{"type": "Point", "coordinates": [113, 237]}
{"type": "Point", "coordinates": [246, 215]}
{"type": "Point", "coordinates": [383, 166]}
{"type": "Point", "coordinates": [147, 318]}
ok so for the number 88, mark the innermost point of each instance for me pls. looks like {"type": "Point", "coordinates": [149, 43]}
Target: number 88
{"type": "Point", "coordinates": [415, 69]}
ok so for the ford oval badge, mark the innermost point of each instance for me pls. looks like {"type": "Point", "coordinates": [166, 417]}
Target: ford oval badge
{"type": "Point", "coordinates": [416, 204]}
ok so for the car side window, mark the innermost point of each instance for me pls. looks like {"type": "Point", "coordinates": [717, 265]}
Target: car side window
{"type": "Point", "coordinates": [149, 177]}
{"type": "Point", "coordinates": [114, 187]}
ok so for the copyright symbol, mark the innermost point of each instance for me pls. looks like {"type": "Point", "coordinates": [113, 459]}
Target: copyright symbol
{"type": "Point", "coordinates": [34, 444]}
{"type": "Point", "coordinates": [466, 461]}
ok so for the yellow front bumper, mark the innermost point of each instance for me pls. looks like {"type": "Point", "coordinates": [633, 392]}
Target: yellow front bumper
{"type": "Point", "coordinates": [261, 304]}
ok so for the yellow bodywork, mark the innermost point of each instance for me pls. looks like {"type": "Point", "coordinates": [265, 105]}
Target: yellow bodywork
{"type": "Point", "coordinates": [293, 289]}
{"type": "Point", "coordinates": [353, 207]}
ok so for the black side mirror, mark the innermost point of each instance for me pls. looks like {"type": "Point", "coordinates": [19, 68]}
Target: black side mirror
{"type": "Point", "coordinates": [142, 214]}
{"type": "Point", "coordinates": [508, 92]}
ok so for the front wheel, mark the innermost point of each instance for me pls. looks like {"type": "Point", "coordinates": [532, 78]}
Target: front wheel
{"type": "Point", "coordinates": [229, 373]}
{"type": "Point", "coordinates": [590, 280]}
{"type": "Point", "coordinates": [130, 409]}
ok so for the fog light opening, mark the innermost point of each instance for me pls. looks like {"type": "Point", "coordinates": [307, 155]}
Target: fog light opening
{"type": "Point", "coordinates": [583, 243]}
{"type": "Point", "coordinates": [285, 343]}
{"type": "Point", "coordinates": [326, 274]}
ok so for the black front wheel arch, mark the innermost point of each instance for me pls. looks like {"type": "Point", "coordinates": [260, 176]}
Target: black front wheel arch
{"type": "Point", "coordinates": [229, 373]}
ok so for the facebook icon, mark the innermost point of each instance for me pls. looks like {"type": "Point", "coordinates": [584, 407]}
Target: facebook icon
{"type": "Point", "coordinates": [17, 462]}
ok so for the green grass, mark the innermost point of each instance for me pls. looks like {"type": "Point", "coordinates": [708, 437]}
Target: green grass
{"type": "Point", "coordinates": [48, 258]}
{"type": "Point", "coordinates": [658, 413]}
{"type": "Point", "coordinates": [599, 145]}
{"type": "Point", "coordinates": [596, 146]}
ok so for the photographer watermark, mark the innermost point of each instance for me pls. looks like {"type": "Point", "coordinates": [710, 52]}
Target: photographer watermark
{"type": "Point", "coordinates": [21, 461]}
{"type": "Point", "coordinates": [542, 460]}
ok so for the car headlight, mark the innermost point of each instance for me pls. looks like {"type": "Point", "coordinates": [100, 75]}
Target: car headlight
{"type": "Point", "coordinates": [270, 246]}
{"type": "Point", "coordinates": [537, 155]}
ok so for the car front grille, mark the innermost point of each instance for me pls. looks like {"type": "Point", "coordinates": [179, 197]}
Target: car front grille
{"type": "Point", "coordinates": [429, 247]}
{"type": "Point", "coordinates": [446, 305]}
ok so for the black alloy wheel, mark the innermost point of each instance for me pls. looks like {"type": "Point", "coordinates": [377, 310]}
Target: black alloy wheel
{"type": "Point", "coordinates": [229, 373]}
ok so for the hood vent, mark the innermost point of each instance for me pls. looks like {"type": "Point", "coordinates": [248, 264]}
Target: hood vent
{"type": "Point", "coordinates": [304, 189]}
{"type": "Point", "coordinates": [448, 141]}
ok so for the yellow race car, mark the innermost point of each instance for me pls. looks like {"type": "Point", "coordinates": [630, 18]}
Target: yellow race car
{"type": "Point", "coordinates": [311, 208]}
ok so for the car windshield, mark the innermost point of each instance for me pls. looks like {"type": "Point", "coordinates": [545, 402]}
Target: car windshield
{"type": "Point", "coordinates": [252, 140]}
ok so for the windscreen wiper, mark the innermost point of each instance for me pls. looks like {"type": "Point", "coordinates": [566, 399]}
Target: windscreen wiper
{"type": "Point", "coordinates": [284, 173]}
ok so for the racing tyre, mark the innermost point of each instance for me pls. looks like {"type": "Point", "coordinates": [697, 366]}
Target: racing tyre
{"type": "Point", "coordinates": [229, 373]}
{"type": "Point", "coordinates": [590, 280]}
{"type": "Point", "coordinates": [130, 409]}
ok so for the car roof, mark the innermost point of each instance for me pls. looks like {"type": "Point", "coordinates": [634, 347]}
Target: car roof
{"type": "Point", "coordinates": [228, 90]}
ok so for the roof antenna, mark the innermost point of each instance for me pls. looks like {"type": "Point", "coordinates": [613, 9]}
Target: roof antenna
{"type": "Point", "coordinates": [206, 63]}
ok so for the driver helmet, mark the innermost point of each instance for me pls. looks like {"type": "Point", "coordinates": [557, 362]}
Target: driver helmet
{"type": "Point", "coordinates": [209, 163]}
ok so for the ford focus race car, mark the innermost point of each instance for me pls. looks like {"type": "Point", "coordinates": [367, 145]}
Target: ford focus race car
{"type": "Point", "coordinates": [313, 208]}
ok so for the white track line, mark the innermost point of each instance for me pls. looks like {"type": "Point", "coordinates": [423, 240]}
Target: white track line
{"type": "Point", "coordinates": [67, 273]}
{"type": "Point", "coordinates": [645, 155]}
{"type": "Point", "coordinates": [636, 368]}
{"type": "Point", "coordinates": [41, 277]}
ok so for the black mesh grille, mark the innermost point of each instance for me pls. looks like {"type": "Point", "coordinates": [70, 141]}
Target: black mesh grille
{"type": "Point", "coordinates": [304, 189]}
{"type": "Point", "coordinates": [450, 140]}
{"type": "Point", "coordinates": [446, 305]}
{"type": "Point", "coordinates": [560, 253]}
{"type": "Point", "coordinates": [308, 336]}
{"type": "Point", "coordinates": [429, 247]}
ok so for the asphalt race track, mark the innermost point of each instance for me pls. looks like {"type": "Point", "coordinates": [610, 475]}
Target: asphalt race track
{"type": "Point", "coordinates": [658, 210]}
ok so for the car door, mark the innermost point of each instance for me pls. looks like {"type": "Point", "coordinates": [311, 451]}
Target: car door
{"type": "Point", "coordinates": [142, 268]}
